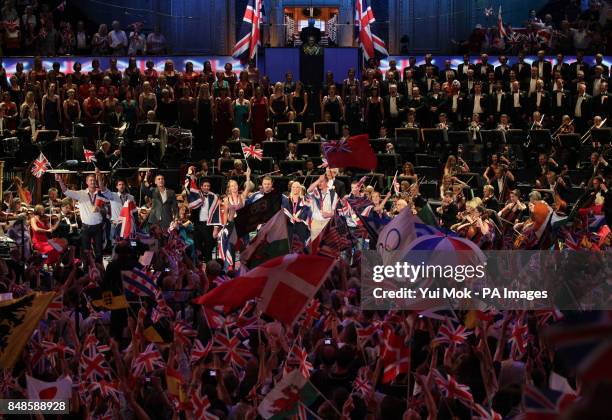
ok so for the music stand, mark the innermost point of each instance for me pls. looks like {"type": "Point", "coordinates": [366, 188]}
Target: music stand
{"type": "Point", "coordinates": [434, 138]}
{"type": "Point", "coordinates": [492, 137]}
{"type": "Point", "coordinates": [275, 149]}
{"type": "Point", "coordinates": [601, 135]}
{"type": "Point", "coordinates": [291, 131]}
{"type": "Point", "coordinates": [327, 130]}
{"type": "Point", "coordinates": [44, 136]}
{"type": "Point", "coordinates": [311, 150]}
{"type": "Point", "coordinates": [387, 163]}
{"type": "Point", "coordinates": [235, 147]}
{"type": "Point", "coordinates": [379, 145]}
{"type": "Point", "coordinates": [455, 138]}
{"type": "Point", "coordinates": [144, 130]}
{"type": "Point", "coordinates": [264, 166]}
{"type": "Point", "coordinates": [516, 137]}
{"type": "Point", "coordinates": [291, 166]}
{"type": "Point", "coordinates": [570, 141]}
{"type": "Point", "coordinates": [540, 138]}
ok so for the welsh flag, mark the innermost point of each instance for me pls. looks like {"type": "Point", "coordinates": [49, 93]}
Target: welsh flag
{"type": "Point", "coordinates": [271, 241]}
{"type": "Point", "coordinates": [41, 390]}
{"type": "Point", "coordinates": [288, 397]}
{"type": "Point", "coordinates": [285, 285]}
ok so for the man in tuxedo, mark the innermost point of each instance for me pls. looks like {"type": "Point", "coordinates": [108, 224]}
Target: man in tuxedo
{"type": "Point", "coordinates": [497, 101]}
{"type": "Point", "coordinates": [409, 82]}
{"type": "Point", "coordinates": [448, 74]}
{"type": "Point", "coordinates": [467, 84]}
{"type": "Point", "coordinates": [561, 67]}
{"type": "Point", "coordinates": [599, 62]}
{"type": "Point", "coordinates": [529, 85]}
{"type": "Point", "coordinates": [411, 67]}
{"type": "Point", "coordinates": [462, 69]}
{"type": "Point", "coordinates": [581, 108]}
{"type": "Point", "coordinates": [539, 100]}
{"type": "Point", "coordinates": [596, 80]}
{"type": "Point", "coordinates": [429, 63]}
{"type": "Point", "coordinates": [521, 69]}
{"type": "Point", "coordinates": [429, 80]}
{"type": "Point", "coordinates": [435, 103]}
{"type": "Point", "coordinates": [543, 67]}
{"type": "Point", "coordinates": [515, 103]}
{"type": "Point", "coordinates": [165, 207]}
{"type": "Point", "coordinates": [477, 102]}
{"type": "Point", "coordinates": [601, 102]}
{"type": "Point", "coordinates": [395, 108]}
{"type": "Point", "coordinates": [417, 102]}
{"type": "Point", "coordinates": [578, 66]}
{"type": "Point", "coordinates": [483, 68]}
{"type": "Point", "coordinates": [560, 100]}
{"type": "Point", "coordinates": [502, 72]}
{"type": "Point", "coordinates": [116, 118]}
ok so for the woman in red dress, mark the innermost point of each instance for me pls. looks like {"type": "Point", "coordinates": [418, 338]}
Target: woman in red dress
{"type": "Point", "coordinates": [259, 115]}
{"type": "Point", "coordinates": [40, 229]}
{"type": "Point", "coordinates": [190, 77]}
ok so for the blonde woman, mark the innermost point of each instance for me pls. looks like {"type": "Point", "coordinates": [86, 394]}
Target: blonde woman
{"type": "Point", "coordinates": [298, 213]}
{"type": "Point", "coordinates": [147, 101]}
{"type": "Point", "coordinates": [29, 103]}
{"type": "Point", "coordinates": [234, 200]}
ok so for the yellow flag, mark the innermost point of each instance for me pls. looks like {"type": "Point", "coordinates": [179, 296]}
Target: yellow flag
{"type": "Point", "coordinates": [18, 319]}
{"type": "Point", "coordinates": [110, 301]}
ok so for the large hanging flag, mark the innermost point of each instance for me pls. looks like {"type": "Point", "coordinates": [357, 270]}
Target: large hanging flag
{"type": "Point", "coordinates": [18, 319]}
{"type": "Point", "coordinates": [249, 37]}
{"type": "Point", "coordinates": [284, 284]}
{"type": "Point", "coordinates": [500, 25]}
{"type": "Point", "coordinates": [355, 152]}
{"type": "Point", "coordinates": [371, 45]}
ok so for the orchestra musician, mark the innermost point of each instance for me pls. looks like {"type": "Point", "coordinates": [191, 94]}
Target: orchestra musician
{"type": "Point", "coordinates": [489, 200]}
{"type": "Point", "coordinates": [447, 211]}
{"type": "Point", "coordinates": [502, 182]}
{"type": "Point", "coordinates": [513, 211]}
{"type": "Point", "coordinates": [42, 227]}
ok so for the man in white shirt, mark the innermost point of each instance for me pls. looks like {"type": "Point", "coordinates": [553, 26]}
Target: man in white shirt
{"type": "Point", "coordinates": [118, 39]}
{"type": "Point", "coordinates": [91, 217]}
{"type": "Point", "coordinates": [117, 200]}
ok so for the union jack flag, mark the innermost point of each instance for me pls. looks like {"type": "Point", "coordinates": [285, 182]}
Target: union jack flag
{"type": "Point", "coordinates": [40, 165]}
{"type": "Point", "coordinates": [93, 366]}
{"type": "Point", "coordinates": [311, 313]}
{"type": "Point", "coordinates": [362, 384]}
{"type": "Point", "coordinates": [519, 339]}
{"type": "Point", "coordinates": [201, 405]}
{"type": "Point", "coordinates": [183, 333]}
{"type": "Point", "coordinates": [59, 348]}
{"type": "Point", "coordinates": [335, 146]}
{"type": "Point", "coordinates": [451, 335]}
{"type": "Point", "coordinates": [147, 361]}
{"type": "Point", "coordinates": [485, 413]}
{"type": "Point", "coordinates": [450, 388]}
{"type": "Point", "coordinates": [89, 155]}
{"type": "Point", "coordinates": [545, 403]}
{"type": "Point", "coordinates": [370, 43]}
{"type": "Point", "coordinates": [366, 334]}
{"type": "Point", "coordinates": [107, 389]}
{"type": "Point", "coordinates": [198, 351]}
{"type": "Point", "coordinates": [161, 309]}
{"type": "Point", "coordinates": [55, 308]}
{"type": "Point", "coordinates": [251, 151]}
{"type": "Point", "coordinates": [299, 355]}
{"type": "Point", "coordinates": [231, 348]}
{"type": "Point", "coordinates": [249, 37]}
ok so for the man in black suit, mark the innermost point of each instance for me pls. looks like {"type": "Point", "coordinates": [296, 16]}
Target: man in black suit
{"type": "Point", "coordinates": [467, 84]}
{"type": "Point", "coordinates": [462, 69]}
{"type": "Point", "coordinates": [429, 80]}
{"type": "Point", "coordinates": [395, 108]}
{"type": "Point", "coordinates": [561, 67]}
{"type": "Point", "coordinates": [521, 69]}
{"type": "Point", "coordinates": [418, 103]}
{"type": "Point", "coordinates": [165, 207]}
{"type": "Point", "coordinates": [515, 103]}
{"type": "Point", "coordinates": [497, 101]}
{"type": "Point", "coordinates": [581, 108]}
{"type": "Point", "coordinates": [477, 102]}
{"type": "Point", "coordinates": [560, 100]}
{"type": "Point", "coordinates": [596, 80]}
{"type": "Point", "coordinates": [411, 66]}
{"type": "Point", "coordinates": [529, 85]}
{"type": "Point", "coordinates": [543, 66]}
{"type": "Point", "coordinates": [578, 65]}
{"type": "Point", "coordinates": [409, 83]}
{"type": "Point", "coordinates": [502, 72]}
{"type": "Point", "coordinates": [105, 158]}
{"type": "Point", "coordinates": [599, 62]}
{"type": "Point", "coordinates": [483, 68]}
{"type": "Point", "coordinates": [601, 102]}
{"type": "Point", "coordinates": [116, 118]}
{"type": "Point", "coordinates": [447, 74]}
{"type": "Point", "coordinates": [539, 100]}
{"type": "Point", "coordinates": [435, 103]}
{"type": "Point", "coordinates": [429, 63]}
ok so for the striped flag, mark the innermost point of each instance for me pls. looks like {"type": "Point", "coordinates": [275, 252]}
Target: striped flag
{"type": "Point", "coordinates": [40, 165]}
{"type": "Point", "coordinates": [500, 25]}
{"type": "Point", "coordinates": [251, 151]}
{"type": "Point", "coordinates": [139, 282]}
{"type": "Point", "coordinates": [89, 155]}
{"type": "Point", "coordinates": [250, 33]}
{"type": "Point", "coordinates": [333, 239]}
{"type": "Point", "coordinates": [370, 43]}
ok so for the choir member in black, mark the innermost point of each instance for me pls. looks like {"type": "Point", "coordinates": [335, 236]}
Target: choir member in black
{"type": "Point", "coordinates": [581, 108]}
{"type": "Point", "coordinates": [374, 113]}
{"type": "Point", "coordinates": [332, 104]}
{"type": "Point", "coordinates": [395, 108]}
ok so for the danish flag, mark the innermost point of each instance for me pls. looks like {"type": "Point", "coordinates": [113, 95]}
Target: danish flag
{"type": "Point", "coordinates": [249, 38]}
{"type": "Point", "coordinates": [370, 43]}
{"type": "Point", "coordinates": [395, 355]}
{"type": "Point", "coordinates": [40, 165]}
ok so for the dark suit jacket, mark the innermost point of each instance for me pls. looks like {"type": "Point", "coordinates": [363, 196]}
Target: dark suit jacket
{"type": "Point", "coordinates": [115, 121]}
{"type": "Point", "coordinates": [606, 70]}
{"type": "Point", "coordinates": [586, 106]}
{"type": "Point", "coordinates": [478, 71]}
{"type": "Point", "coordinates": [575, 66]}
{"type": "Point", "coordinates": [469, 104]}
{"type": "Point", "coordinates": [498, 73]}
{"type": "Point", "coordinates": [564, 70]}
{"type": "Point", "coordinates": [565, 101]}
{"type": "Point", "coordinates": [163, 213]}
{"type": "Point", "coordinates": [400, 103]}
{"type": "Point", "coordinates": [460, 72]}
{"type": "Point", "coordinates": [544, 102]}
{"type": "Point", "coordinates": [602, 105]}
{"type": "Point", "coordinates": [546, 71]}
{"type": "Point", "coordinates": [425, 91]}
{"type": "Point", "coordinates": [464, 86]}
{"type": "Point", "coordinates": [524, 73]}
{"type": "Point", "coordinates": [492, 104]}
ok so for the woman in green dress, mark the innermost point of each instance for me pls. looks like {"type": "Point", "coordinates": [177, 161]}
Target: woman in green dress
{"type": "Point", "coordinates": [242, 114]}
